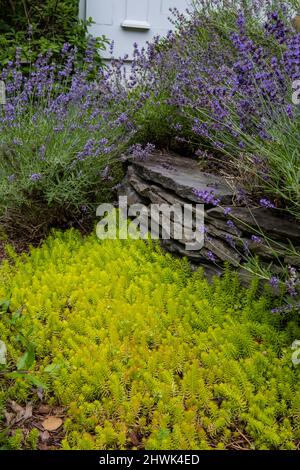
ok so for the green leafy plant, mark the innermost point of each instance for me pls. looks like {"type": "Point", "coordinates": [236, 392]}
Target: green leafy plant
{"type": "Point", "coordinates": [24, 364]}
{"type": "Point", "coordinates": [35, 27]}
{"type": "Point", "coordinates": [60, 151]}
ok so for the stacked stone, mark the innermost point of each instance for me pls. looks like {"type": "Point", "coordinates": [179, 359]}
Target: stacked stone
{"type": "Point", "coordinates": [171, 179]}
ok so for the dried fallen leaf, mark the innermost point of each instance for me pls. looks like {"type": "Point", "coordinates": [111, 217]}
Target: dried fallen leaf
{"type": "Point", "coordinates": [52, 423]}
{"type": "Point", "coordinates": [44, 447]}
{"type": "Point", "coordinates": [9, 418]}
{"type": "Point", "coordinates": [134, 439]}
{"type": "Point", "coordinates": [15, 407]}
{"type": "Point", "coordinates": [38, 425]}
{"type": "Point", "coordinates": [44, 409]}
{"type": "Point", "coordinates": [27, 412]}
{"type": "Point", "coordinates": [59, 410]}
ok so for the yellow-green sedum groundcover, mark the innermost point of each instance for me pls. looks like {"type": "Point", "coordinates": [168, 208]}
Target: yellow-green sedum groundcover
{"type": "Point", "coordinates": [133, 344]}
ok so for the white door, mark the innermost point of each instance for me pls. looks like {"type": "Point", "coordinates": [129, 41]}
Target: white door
{"type": "Point", "coordinates": [129, 21]}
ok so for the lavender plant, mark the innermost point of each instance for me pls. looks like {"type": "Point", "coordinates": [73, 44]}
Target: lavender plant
{"type": "Point", "coordinates": [62, 132]}
{"type": "Point", "coordinates": [223, 81]}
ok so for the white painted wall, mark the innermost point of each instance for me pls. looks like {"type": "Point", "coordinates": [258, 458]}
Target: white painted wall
{"type": "Point", "coordinates": [129, 21]}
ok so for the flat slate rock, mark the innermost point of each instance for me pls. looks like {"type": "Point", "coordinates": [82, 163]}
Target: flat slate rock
{"type": "Point", "coordinates": [267, 220]}
{"type": "Point", "coordinates": [181, 175]}
{"type": "Point", "coordinates": [133, 197]}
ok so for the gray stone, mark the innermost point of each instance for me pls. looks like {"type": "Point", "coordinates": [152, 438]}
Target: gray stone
{"type": "Point", "coordinates": [136, 182]}
{"type": "Point", "coordinates": [170, 179]}
{"type": "Point", "coordinates": [246, 277]}
{"type": "Point", "coordinates": [210, 271]}
{"type": "Point", "coordinates": [223, 251]}
{"type": "Point", "coordinates": [175, 247]}
{"type": "Point", "coordinates": [182, 175]}
{"type": "Point", "coordinates": [211, 229]}
{"type": "Point", "coordinates": [268, 251]}
{"type": "Point", "coordinates": [293, 260]}
{"type": "Point", "coordinates": [127, 190]}
{"type": "Point", "coordinates": [266, 220]}
{"type": "Point", "coordinates": [176, 230]}
{"type": "Point", "coordinates": [157, 195]}
{"type": "Point", "coordinates": [219, 224]}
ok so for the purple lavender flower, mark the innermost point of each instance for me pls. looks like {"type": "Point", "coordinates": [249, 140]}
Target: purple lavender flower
{"type": "Point", "coordinates": [220, 94]}
{"type": "Point", "coordinates": [139, 152]}
{"type": "Point", "coordinates": [208, 197]}
{"type": "Point", "coordinates": [211, 257]}
{"type": "Point", "coordinates": [178, 127]}
{"type": "Point", "coordinates": [202, 153]}
{"type": "Point", "coordinates": [230, 240]}
{"type": "Point", "coordinates": [274, 282]}
{"type": "Point", "coordinates": [286, 308]}
{"type": "Point", "coordinates": [266, 203]}
{"type": "Point", "coordinates": [88, 150]}
{"type": "Point", "coordinates": [241, 22]}
{"type": "Point", "coordinates": [35, 177]}
{"type": "Point", "coordinates": [257, 240]}
{"type": "Point", "coordinates": [202, 229]}
{"type": "Point", "coordinates": [42, 152]}
{"type": "Point", "coordinates": [289, 111]}
{"type": "Point", "coordinates": [66, 47]}
{"type": "Point", "coordinates": [231, 224]}
{"type": "Point", "coordinates": [11, 178]}
{"type": "Point", "coordinates": [227, 210]}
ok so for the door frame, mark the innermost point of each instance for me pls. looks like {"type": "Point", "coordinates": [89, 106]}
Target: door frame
{"type": "Point", "coordinates": [82, 10]}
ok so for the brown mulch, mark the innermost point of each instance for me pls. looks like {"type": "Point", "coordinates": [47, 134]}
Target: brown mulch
{"type": "Point", "coordinates": [21, 242]}
{"type": "Point", "coordinates": [48, 420]}
{"type": "Point", "coordinates": [20, 246]}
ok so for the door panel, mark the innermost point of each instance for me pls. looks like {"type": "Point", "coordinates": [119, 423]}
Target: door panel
{"type": "Point", "coordinates": [137, 11]}
{"type": "Point", "coordinates": [101, 11]}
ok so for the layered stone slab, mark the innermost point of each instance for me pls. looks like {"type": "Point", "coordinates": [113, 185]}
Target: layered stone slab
{"type": "Point", "coordinates": [181, 175]}
{"type": "Point", "coordinates": [171, 179]}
